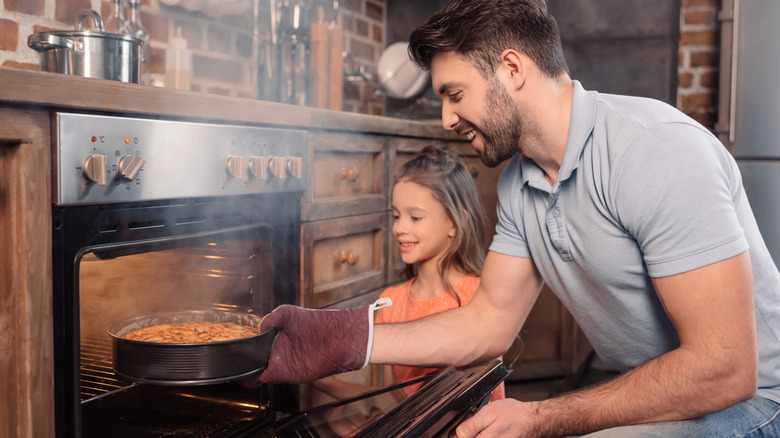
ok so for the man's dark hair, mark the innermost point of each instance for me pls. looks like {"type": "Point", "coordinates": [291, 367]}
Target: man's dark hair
{"type": "Point", "coordinates": [480, 30]}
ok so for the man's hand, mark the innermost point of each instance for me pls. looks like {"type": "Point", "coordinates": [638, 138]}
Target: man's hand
{"type": "Point", "coordinates": [312, 344]}
{"type": "Point", "coordinates": [500, 418]}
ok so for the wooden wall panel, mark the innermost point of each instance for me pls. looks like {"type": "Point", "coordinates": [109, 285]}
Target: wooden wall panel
{"type": "Point", "coordinates": [26, 362]}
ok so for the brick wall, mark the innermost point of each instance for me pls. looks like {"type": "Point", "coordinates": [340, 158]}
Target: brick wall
{"type": "Point", "coordinates": [365, 35]}
{"type": "Point", "coordinates": [222, 47]}
{"type": "Point", "coordinates": [697, 93]}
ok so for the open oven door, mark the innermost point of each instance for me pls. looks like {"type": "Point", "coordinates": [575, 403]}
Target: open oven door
{"type": "Point", "coordinates": [444, 400]}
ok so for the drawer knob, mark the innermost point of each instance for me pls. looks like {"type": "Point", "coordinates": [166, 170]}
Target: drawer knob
{"type": "Point", "coordinates": [350, 174]}
{"type": "Point", "coordinates": [350, 257]}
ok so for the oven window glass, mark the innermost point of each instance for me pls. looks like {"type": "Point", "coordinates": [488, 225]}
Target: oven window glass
{"type": "Point", "coordinates": [352, 417]}
{"type": "Point", "coordinates": [445, 398]}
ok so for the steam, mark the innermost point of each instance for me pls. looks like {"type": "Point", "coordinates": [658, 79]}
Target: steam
{"type": "Point", "coordinates": [219, 274]}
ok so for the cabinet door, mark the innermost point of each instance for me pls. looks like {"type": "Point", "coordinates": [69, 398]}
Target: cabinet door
{"type": "Point", "coordinates": [347, 174]}
{"type": "Point", "coordinates": [342, 258]}
{"type": "Point", "coordinates": [27, 368]}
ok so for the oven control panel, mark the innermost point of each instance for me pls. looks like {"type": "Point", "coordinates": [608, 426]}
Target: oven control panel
{"type": "Point", "coordinates": [103, 159]}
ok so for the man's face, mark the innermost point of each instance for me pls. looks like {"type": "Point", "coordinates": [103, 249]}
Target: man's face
{"type": "Point", "coordinates": [479, 110]}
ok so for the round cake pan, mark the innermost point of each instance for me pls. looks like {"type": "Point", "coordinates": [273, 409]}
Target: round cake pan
{"type": "Point", "coordinates": [189, 364]}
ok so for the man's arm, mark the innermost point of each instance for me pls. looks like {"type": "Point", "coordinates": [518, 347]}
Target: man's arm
{"type": "Point", "coordinates": [714, 368]}
{"type": "Point", "coordinates": [481, 330]}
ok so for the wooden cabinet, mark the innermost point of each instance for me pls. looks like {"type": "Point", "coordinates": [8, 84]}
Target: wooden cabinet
{"type": "Point", "coordinates": [26, 370]}
{"type": "Point", "coordinates": [346, 175]}
{"type": "Point", "coordinates": [348, 251]}
{"type": "Point", "coordinates": [343, 258]}
{"type": "Point", "coordinates": [345, 228]}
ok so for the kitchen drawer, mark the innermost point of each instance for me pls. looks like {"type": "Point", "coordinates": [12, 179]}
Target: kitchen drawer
{"type": "Point", "coordinates": [342, 258]}
{"type": "Point", "coordinates": [347, 175]}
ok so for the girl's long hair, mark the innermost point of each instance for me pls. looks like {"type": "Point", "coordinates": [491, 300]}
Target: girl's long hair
{"type": "Point", "coordinates": [452, 185]}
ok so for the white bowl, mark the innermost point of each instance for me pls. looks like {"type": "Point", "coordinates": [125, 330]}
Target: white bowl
{"type": "Point", "coordinates": [399, 76]}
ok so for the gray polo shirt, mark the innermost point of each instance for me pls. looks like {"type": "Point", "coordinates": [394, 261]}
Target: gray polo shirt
{"type": "Point", "coordinates": [644, 191]}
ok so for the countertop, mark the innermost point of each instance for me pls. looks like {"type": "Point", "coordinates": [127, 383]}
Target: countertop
{"type": "Point", "coordinates": [65, 92]}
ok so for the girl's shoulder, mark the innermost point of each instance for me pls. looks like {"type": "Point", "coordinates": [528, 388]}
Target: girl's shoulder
{"type": "Point", "coordinates": [399, 290]}
{"type": "Point", "coordinates": [469, 281]}
{"type": "Point", "coordinates": [399, 295]}
{"type": "Point", "coordinates": [466, 287]}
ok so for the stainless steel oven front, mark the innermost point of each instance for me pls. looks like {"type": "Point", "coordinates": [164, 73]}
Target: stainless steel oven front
{"type": "Point", "coordinates": [152, 216]}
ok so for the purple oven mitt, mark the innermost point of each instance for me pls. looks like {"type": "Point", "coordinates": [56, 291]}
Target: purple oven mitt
{"type": "Point", "coordinates": [312, 344]}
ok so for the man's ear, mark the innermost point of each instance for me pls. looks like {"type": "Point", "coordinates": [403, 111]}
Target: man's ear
{"type": "Point", "coordinates": [512, 68]}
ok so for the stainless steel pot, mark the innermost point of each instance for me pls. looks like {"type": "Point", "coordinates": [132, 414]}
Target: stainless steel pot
{"type": "Point", "coordinates": [89, 53]}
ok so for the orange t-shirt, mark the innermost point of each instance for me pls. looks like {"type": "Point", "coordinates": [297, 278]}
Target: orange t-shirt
{"type": "Point", "coordinates": [405, 308]}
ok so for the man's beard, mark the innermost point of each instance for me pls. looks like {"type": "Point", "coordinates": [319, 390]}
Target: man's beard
{"type": "Point", "coordinates": [502, 134]}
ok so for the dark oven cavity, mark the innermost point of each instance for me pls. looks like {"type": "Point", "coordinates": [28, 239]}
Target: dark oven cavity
{"type": "Point", "coordinates": [161, 216]}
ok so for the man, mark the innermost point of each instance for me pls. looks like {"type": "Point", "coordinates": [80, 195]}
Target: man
{"type": "Point", "coordinates": [631, 212]}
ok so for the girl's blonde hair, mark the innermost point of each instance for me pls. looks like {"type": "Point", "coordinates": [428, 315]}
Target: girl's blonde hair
{"type": "Point", "coordinates": [452, 185]}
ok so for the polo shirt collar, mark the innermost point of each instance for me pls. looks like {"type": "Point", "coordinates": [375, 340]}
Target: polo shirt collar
{"type": "Point", "coordinates": [583, 116]}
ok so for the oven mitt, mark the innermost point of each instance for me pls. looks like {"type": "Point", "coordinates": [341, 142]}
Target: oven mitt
{"type": "Point", "coordinates": [315, 343]}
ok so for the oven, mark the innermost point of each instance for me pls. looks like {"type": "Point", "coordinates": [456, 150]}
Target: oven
{"type": "Point", "coordinates": [156, 216]}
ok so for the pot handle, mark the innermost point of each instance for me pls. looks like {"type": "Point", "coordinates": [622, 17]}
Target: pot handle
{"type": "Point", "coordinates": [91, 14]}
{"type": "Point", "coordinates": [42, 42]}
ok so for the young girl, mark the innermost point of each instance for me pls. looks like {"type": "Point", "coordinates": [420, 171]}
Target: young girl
{"type": "Point", "coordinates": [441, 229]}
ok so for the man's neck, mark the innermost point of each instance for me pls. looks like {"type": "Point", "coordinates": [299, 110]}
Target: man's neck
{"type": "Point", "coordinates": [548, 146]}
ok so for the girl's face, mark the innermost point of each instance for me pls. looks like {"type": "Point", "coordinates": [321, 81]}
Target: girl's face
{"type": "Point", "coordinates": [420, 224]}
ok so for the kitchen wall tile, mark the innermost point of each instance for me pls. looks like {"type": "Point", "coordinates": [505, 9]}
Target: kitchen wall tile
{"type": "Point", "coordinates": [9, 35]}
{"type": "Point", "coordinates": [68, 12]}
{"type": "Point", "coordinates": [375, 11]}
{"type": "Point", "coordinates": [361, 27]}
{"type": "Point", "coordinates": [352, 5]}
{"type": "Point", "coordinates": [21, 65]}
{"type": "Point", "coordinates": [30, 7]}
{"type": "Point", "coordinates": [157, 26]}
{"type": "Point", "coordinates": [219, 39]}
{"type": "Point", "coordinates": [217, 69]}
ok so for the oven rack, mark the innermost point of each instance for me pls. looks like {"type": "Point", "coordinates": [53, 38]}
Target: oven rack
{"type": "Point", "coordinates": [97, 372]}
{"type": "Point", "coordinates": [96, 364]}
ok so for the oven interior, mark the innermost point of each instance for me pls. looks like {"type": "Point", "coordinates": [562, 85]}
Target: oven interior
{"type": "Point", "coordinates": [117, 261]}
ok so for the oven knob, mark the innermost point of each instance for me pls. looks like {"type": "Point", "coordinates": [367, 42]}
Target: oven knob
{"type": "Point", "coordinates": [258, 167]}
{"type": "Point", "coordinates": [129, 166]}
{"type": "Point", "coordinates": [235, 167]}
{"type": "Point", "coordinates": [277, 167]}
{"type": "Point", "coordinates": [294, 166]}
{"type": "Point", "coordinates": [94, 168]}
